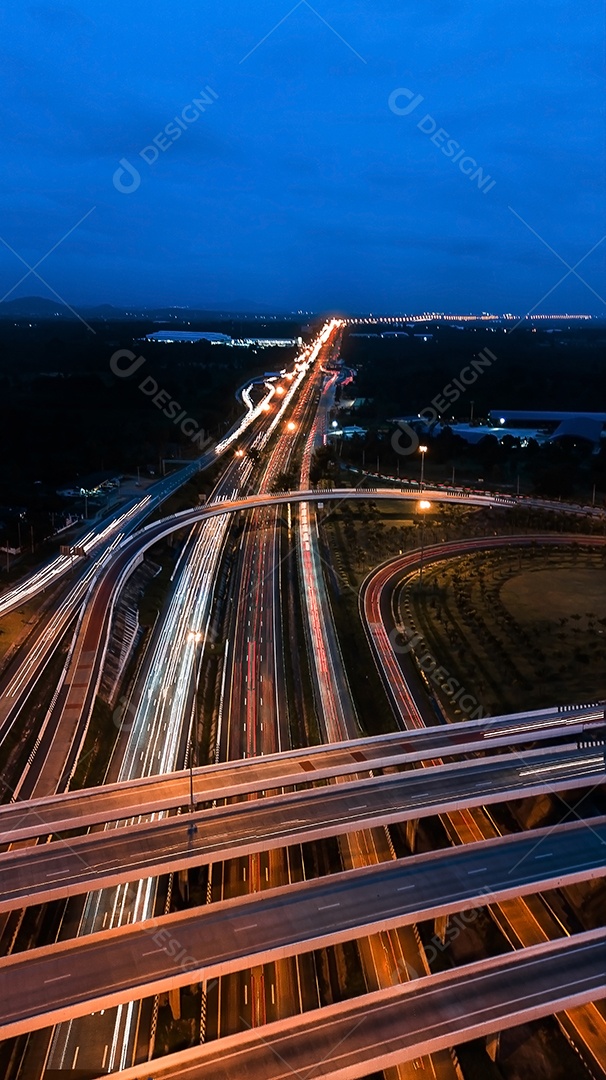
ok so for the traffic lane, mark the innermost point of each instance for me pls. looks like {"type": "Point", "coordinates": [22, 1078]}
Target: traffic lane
{"type": "Point", "coordinates": [379, 1030]}
{"type": "Point", "coordinates": [35, 874]}
{"type": "Point", "coordinates": [46, 985]}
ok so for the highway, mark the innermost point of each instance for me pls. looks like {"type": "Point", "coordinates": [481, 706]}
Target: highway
{"type": "Point", "coordinates": [60, 982]}
{"type": "Point", "coordinates": [375, 1031]}
{"type": "Point", "coordinates": [91, 641]}
{"type": "Point", "coordinates": [163, 718]}
{"type": "Point", "coordinates": [156, 742]}
{"type": "Point", "coordinates": [44, 872]}
{"type": "Point", "coordinates": [167, 715]}
{"type": "Point", "coordinates": [126, 556]}
{"type": "Point", "coordinates": [23, 680]}
{"type": "Point", "coordinates": [288, 768]}
{"type": "Point", "coordinates": [256, 716]}
{"type": "Point", "coordinates": [388, 957]}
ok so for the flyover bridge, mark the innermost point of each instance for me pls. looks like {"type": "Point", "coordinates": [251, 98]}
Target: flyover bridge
{"type": "Point", "coordinates": [74, 978]}
{"type": "Point", "coordinates": [35, 874]}
{"type": "Point", "coordinates": [120, 801]}
{"type": "Point", "coordinates": [364, 1034]}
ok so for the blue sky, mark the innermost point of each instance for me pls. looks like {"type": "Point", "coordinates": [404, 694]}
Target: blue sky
{"type": "Point", "coordinates": [298, 186]}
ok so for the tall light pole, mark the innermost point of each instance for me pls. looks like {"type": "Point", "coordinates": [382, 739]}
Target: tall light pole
{"type": "Point", "coordinates": [424, 505]}
{"type": "Point", "coordinates": [195, 637]}
{"type": "Point", "coordinates": [422, 451]}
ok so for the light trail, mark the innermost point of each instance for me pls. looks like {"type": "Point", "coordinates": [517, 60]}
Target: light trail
{"type": "Point", "coordinates": [155, 744]}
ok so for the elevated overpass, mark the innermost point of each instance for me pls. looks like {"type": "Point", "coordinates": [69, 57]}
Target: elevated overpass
{"type": "Point", "coordinates": [74, 978]}
{"type": "Point", "coordinates": [35, 874]}
{"type": "Point", "coordinates": [376, 1031]}
{"type": "Point", "coordinates": [122, 801]}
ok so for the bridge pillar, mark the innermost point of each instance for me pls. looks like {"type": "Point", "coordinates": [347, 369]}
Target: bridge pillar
{"type": "Point", "coordinates": [411, 833]}
{"type": "Point", "coordinates": [174, 1000]}
{"type": "Point", "coordinates": [184, 884]}
{"type": "Point", "coordinates": [493, 1045]}
{"type": "Point", "coordinates": [440, 927]}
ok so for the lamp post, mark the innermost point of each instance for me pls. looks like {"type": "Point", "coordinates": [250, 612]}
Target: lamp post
{"type": "Point", "coordinates": [424, 504]}
{"type": "Point", "coordinates": [195, 637]}
{"type": "Point", "coordinates": [422, 451]}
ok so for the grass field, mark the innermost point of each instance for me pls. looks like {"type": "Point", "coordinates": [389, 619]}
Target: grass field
{"type": "Point", "coordinates": [516, 628]}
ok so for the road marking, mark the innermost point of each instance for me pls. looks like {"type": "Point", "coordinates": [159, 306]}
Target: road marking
{"type": "Point", "coordinates": [57, 978]}
{"type": "Point", "coordinates": [104, 1056]}
{"type": "Point", "coordinates": [325, 907]}
{"type": "Point", "coordinates": [546, 855]}
{"type": "Point", "coordinates": [480, 870]}
{"type": "Point", "coordinates": [150, 951]}
{"type": "Point", "coordinates": [403, 888]}
{"type": "Point", "coordinates": [249, 926]}
{"type": "Point", "coordinates": [75, 1057]}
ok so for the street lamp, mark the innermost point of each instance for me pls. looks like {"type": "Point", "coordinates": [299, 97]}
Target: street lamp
{"type": "Point", "coordinates": [422, 451]}
{"type": "Point", "coordinates": [424, 504]}
{"type": "Point", "coordinates": [195, 637]}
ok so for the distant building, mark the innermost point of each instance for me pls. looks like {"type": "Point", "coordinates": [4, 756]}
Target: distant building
{"type": "Point", "coordinates": [95, 484]}
{"type": "Point", "coordinates": [171, 337]}
{"type": "Point", "coordinates": [168, 337]}
{"type": "Point", "coordinates": [348, 432]}
{"type": "Point", "coordinates": [555, 425]}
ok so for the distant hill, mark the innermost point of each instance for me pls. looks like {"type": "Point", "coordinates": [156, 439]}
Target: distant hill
{"type": "Point", "coordinates": [33, 305]}
{"type": "Point", "coordinates": [25, 307]}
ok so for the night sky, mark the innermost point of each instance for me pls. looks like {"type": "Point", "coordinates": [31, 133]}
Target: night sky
{"type": "Point", "coordinates": [298, 186]}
